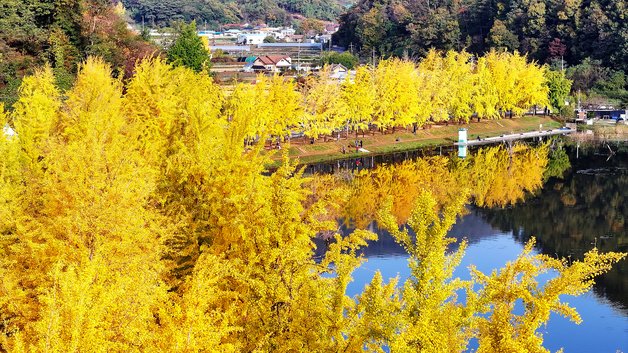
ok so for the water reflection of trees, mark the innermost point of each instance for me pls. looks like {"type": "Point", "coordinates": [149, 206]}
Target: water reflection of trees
{"type": "Point", "coordinates": [572, 215]}
{"type": "Point", "coordinates": [578, 208]}
{"type": "Point", "coordinates": [493, 176]}
{"type": "Point", "coordinates": [425, 196]}
{"type": "Point", "coordinates": [416, 202]}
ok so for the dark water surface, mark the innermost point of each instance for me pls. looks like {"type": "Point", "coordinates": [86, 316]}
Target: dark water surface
{"type": "Point", "coordinates": [568, 217]}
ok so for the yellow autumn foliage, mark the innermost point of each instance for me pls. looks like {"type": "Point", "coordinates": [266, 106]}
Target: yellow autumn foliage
{"type": "Point", "coordinates": [358, 99]}
{"type": "Point", "coordinates": [500, 329]}
{"type": "Point", "coordinates": [322, 105]}
{"type": "Point", "coordinates": [135, 219]}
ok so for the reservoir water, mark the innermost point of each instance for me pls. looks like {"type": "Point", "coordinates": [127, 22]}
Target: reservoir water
{"type": "Point", "coordinates": [585, 208]}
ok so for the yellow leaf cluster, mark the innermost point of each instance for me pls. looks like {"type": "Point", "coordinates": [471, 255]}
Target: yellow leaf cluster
{"type": "Point", "coordinates": [323, 105]}
{"type": "Point", "coordinates": [509, 83]}
{"type": "Point", "coordinates": [504, 331]}
{"type": "Point", "coordinates": [133, 218]}
{"type": "Point", "coordinates": [442, 87]}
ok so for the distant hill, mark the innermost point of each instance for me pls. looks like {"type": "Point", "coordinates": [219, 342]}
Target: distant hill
{"type": "Point", "coordinates": [544, 29]}
{"type": "Point", "coordinates": [63, 33]}
{"type": "Point", "coordinates": [216, 12]}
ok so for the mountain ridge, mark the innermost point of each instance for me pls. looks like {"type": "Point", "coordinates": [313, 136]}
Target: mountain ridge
{"type": "Point", "coordinates": [213, 13]}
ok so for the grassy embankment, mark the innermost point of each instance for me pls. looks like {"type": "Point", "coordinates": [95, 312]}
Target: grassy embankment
{"type": "Point", "coordinates": [606, 131]}
{"type": "Point", "coordinates": [404, 140]}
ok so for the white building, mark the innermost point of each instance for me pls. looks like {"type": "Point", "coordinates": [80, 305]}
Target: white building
{"type": "Point", "coordinates": [285, 32]}
{"type": "Point", "coordinates": [272, 63]}
{"type": "Point", "coordinates": [251, 38]}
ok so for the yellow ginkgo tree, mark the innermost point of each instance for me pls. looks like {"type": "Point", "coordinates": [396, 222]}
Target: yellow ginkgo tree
{"type": "Point", "coordinates": [397, 99]}
{"type": "Point", "coordinates": [323, 109]}
{"type": "Point", "coordinates": [135, 218]}
{"type": "Point", "coordinates": [84, 255]}
{"type": "Point", "coordinates": [358, 99]}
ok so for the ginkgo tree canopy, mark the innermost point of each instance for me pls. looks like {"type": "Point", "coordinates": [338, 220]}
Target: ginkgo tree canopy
{"type": "Point", "coordinates": [134, 219]}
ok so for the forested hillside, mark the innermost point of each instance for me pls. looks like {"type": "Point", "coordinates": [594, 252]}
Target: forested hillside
{"type": "Point", "coordinates": [62, 33]}
{"type": "Point", "coordinates": [215, 12]}
{"type": "Point", "coordinates": [545, 29]}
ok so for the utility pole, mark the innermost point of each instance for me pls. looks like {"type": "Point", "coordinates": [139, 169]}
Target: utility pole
{"type": "Point", "coordinates": [373, 57]}
{"type": "Point", "coordinates": [562, 63]}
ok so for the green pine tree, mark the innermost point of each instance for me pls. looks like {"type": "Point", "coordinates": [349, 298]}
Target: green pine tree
{"type": "Point", "coordinates": [189, 50]}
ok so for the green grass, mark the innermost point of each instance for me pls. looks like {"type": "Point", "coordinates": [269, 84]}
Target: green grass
{"type": "Point", "coordinates": [378, 143]}
{"type": "Point", "coordinates": [293, 152]}
{"type": "Point", "coordinates": [316, 148]}
{"type": "Point", "coordinates": [411, 145]}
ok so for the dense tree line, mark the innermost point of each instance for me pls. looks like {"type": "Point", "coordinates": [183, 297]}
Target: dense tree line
{"type": "Point", "coordinates": [215, 12]}
{"type": "Point", "coordinates": [395, 93]}
{"type": "Point", "coordinates": [563, 32]}
{"type": "Point", "coordinates": [544, 29]}
{"type": "Point", "coordinates": [346, 59]}
{"type": "Point", "coordinates": [593, 81]}
{"type": "Point", "coordinates": [133, 218]}
{"type": "Point", "coordinates": [62, 33]}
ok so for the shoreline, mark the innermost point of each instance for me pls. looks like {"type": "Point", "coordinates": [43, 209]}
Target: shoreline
{"type": "Point", "coordinates": [402, 140]}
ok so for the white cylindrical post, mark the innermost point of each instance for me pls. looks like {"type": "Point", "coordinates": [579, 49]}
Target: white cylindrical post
{"type": "Point", "coordinates": [462, 143]}
{"type": "Point", "coordinates": [462, 151]}
{"type": "Point", "coordinates": [462, 136]}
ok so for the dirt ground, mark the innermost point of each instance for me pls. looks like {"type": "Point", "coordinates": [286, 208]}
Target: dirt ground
{"type": "Point", "coordinates": [330, 148]}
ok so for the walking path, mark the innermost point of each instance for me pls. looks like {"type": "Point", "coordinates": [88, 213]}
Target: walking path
{"type": "Point", "coordinates": [404, 140]}
{"type": "Point", "coordinates": [514, 137]}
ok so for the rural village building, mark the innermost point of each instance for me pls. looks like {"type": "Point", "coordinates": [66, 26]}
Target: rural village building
{"type": "Point", "coordinates": [338, 71]}
{"type": "Point", "coordinates": [272, 63]}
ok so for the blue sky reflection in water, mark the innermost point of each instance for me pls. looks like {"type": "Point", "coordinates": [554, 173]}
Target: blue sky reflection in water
{"type": "Point", "coordinates": [497, 236]}
{"type": "Point", "coordinates": [604, 327]}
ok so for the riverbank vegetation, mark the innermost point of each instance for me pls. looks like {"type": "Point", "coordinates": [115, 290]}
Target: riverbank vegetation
{"type": "Point", "coordinates": [396, 93]}
{"type": "Point", "coordinates": [135, 219]}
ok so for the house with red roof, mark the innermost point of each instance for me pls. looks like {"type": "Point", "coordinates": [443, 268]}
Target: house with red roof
{"type": "Point", "coordinates": [272, 63]}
